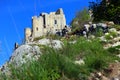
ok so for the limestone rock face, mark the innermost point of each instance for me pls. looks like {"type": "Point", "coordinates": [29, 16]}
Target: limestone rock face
{"type": "Point", "coordinates": [28, 52]}
{"type": "Point", "coordinates": [24, 53]}
{"type": "Point", "coordinates": [32, 51]}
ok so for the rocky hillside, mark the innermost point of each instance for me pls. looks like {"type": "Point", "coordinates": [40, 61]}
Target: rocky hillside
{"type": "Point", "coordinates": [73, 58]}
{"type": "Point", "coordinates": [29, 51]}
{"type": "Point", "coordinates": [32, 50]}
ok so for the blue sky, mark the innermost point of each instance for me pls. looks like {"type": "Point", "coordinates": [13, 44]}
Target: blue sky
{"type": "Point", "coordinates": [15, 15]}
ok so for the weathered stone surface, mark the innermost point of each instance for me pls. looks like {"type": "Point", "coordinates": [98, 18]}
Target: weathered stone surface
{"type": "Point", "coordinates": [45, 24]}
{"type": "Point", "coordinates": [32, 50]}
{"type": "Point", "coordinates": [52, 43]}
{"type": "Point", "coordinates": [24, 52]}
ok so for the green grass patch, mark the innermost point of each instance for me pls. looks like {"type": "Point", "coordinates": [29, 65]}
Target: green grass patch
{"type": "Point", "coordinates": [58, 64]}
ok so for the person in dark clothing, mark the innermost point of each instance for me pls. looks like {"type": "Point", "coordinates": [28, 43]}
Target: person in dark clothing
{"type": "Point", "coordinates": [64, 31]}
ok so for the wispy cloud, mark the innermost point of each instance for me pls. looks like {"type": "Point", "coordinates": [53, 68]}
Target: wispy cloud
{"type": "Point", "coordinates": [14, 23]}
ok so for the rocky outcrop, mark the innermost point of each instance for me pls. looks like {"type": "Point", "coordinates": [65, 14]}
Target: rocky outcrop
{"type": "Point", "coordinates": [28, 52]}
{"type": "Point", "coordinates": [25, 53]}
{"type": "Point", "coordinates": [114, 38]}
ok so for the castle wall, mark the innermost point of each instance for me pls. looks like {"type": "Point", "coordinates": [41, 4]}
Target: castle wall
{"type": "Point", "coordinates": [37, 26]}
{"type": "Point", "coordinates": [55, 21]}
{"type": "Point", "coordinates": [46, 23]}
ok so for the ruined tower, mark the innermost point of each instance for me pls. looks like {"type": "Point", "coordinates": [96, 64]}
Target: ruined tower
{"type": "Point", "coordinates": [46, 23]}
{"type": "Point", "coordinates": [37, 26]}
{"type": "Point", "coordinates": [27, 34]}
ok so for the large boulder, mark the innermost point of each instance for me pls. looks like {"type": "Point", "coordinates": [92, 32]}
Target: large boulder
{"type": "Point", "coordinates": [24, 53]}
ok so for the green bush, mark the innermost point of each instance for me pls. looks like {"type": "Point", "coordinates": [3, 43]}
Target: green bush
{"type": "Point", "coordinates": [108, 37]}
{"type": "Point", "coordinates": [99, 32]}
{"type": "Point", "coordinates": [55, 60]}
{"type": "Point", "coordinates": [111, 35]}
{"type": "Point", "coordinates": [117, 27]}
{"type": "Point", "coordinates": [114, 34]}
{"type": "Point", "coordinates": [96, 62]}
{"type": "Point", "coordinates": [114, 50]}
{"type": "Point", "coordinates": [81, 48]}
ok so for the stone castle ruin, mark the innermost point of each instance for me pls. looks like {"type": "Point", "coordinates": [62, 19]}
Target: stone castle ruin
{"type": "Point", "coordinates": [46, 24]}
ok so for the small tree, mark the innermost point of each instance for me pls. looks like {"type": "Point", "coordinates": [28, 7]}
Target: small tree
{"type": "Point", "coordinates": [106, 10]}
{"type": "Point", "coordinates": [80, 19]}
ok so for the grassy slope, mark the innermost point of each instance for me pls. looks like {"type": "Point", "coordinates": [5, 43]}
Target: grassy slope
{"type": "Point", "coordinates": [59, 64]}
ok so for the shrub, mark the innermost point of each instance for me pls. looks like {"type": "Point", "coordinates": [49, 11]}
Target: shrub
{"type": "Point", "coordinates": [111, 35]}
{"type": "Point", "coordinates": [117, 27]}
{"type": "Point", "coordinates": [99, 32]}
{"type": "Point", "coordinates": [81, 48]}
{"type": "Point", "coordinates": [114, 50]}
{"type": "Point", "coordinates": [108, 37]}
{"type": "Point", "coordinates": [96, 62]}
{"type": "Point", "coordinates": [114, 34]}
{"type": "Point", "coordinates": [55, 60]}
